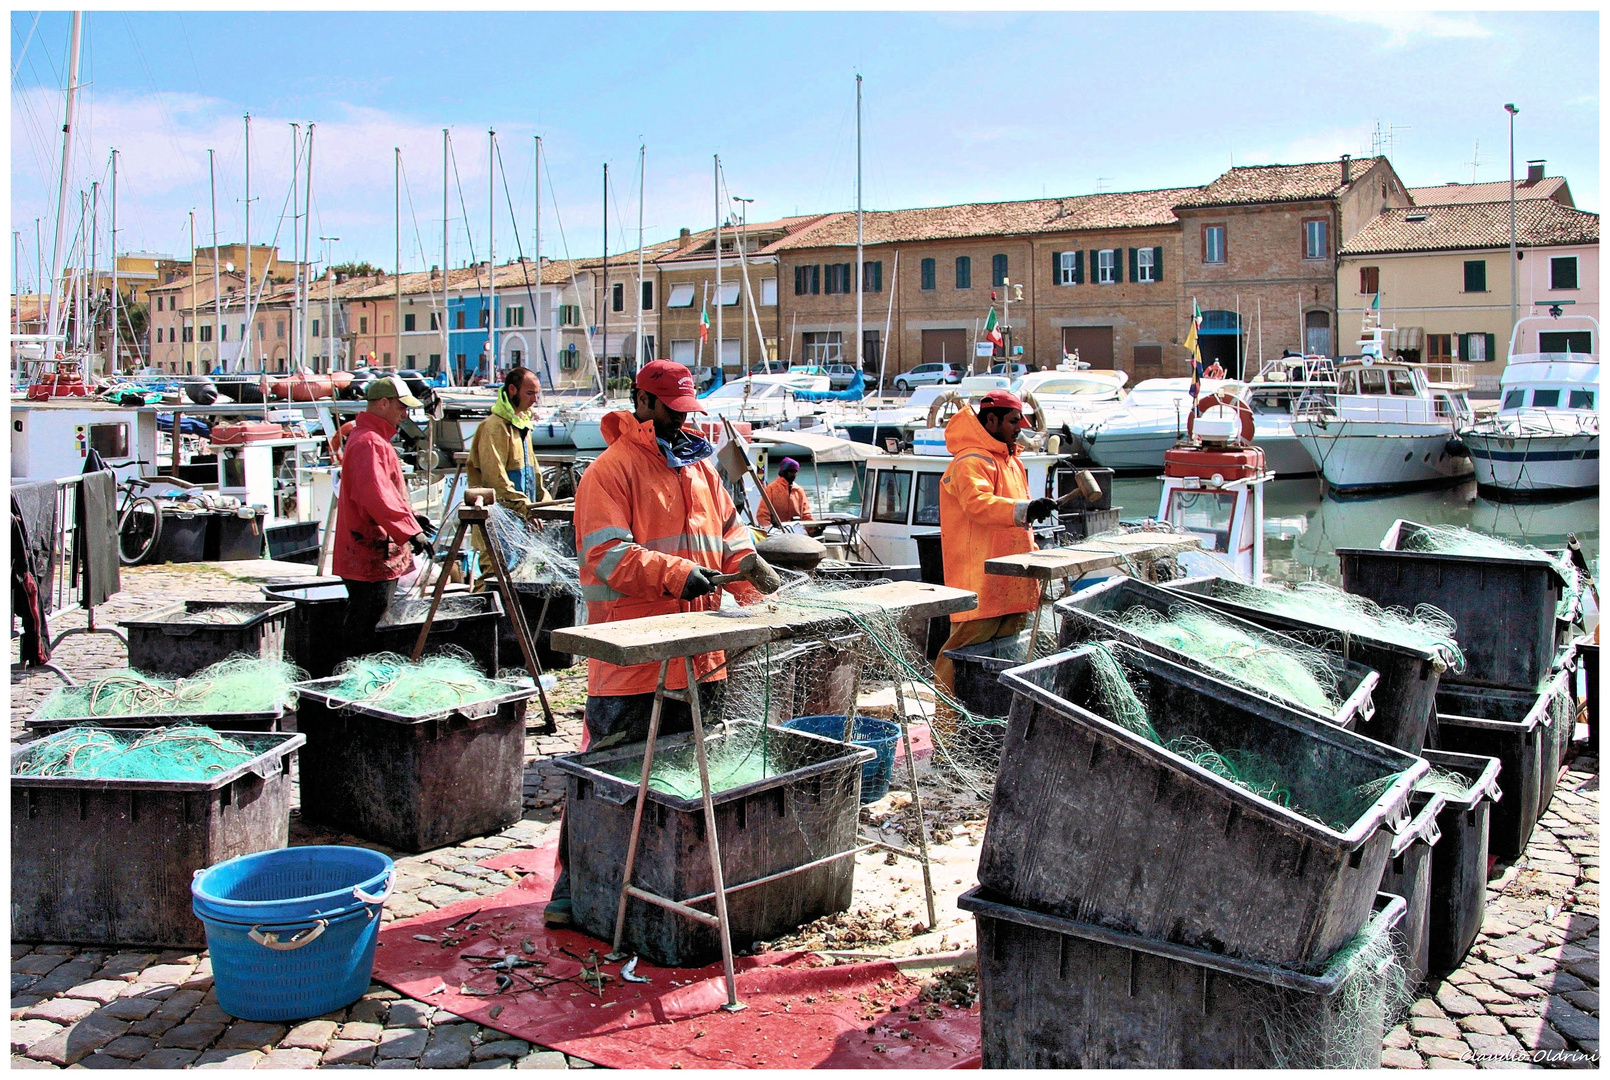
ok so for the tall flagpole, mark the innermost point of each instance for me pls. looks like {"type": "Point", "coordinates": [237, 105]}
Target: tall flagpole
{"type": "Point", "coordinates": [860, 269]}
{"type": "Point", "coordinates": [217, 290]}
{"type": "Point", "coordinates": [721, 358]}
{"type": "Point", "coordinates": [642, 160]}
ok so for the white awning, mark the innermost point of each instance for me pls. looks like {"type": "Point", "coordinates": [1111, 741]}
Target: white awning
{"type": "Point", "coordinates": [729, 293]}
{"type": "Point", "coordinates": [1405, 338]}
{"type": "Point", "coordinates": [681, 296]}
{"type": "Point", "coordinates": [826, 449]}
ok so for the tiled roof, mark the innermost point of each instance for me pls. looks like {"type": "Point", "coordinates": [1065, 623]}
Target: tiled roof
{"type": "Point", "coordinates": [1538, 223]}
{"type": "Point", "coordinates": [1278, 183]}
{"type": "Point", "coordinates": [791, 229]}
{"type": "Point", "coordinates": [1112, 210]}
{"type": "Point", "coordinates": [1449, 194]}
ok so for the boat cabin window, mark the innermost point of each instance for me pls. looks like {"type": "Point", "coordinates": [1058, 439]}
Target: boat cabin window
{"type": "Point", "coordinates": [109, 440]}
{"type": "Point", "coordinates": [1208, 514]}
{"type": "Point", "coordinates": [927, 498]}
{"type": "Point", "coordinates": [892, 497]}
{"type": "Point", "coordinates": [1271, 403]}
{"type": "Point", "coordinates": [1545, 399]}
{"type": "Point", "coordinates": [1581, 399]}
{"type": "Point", "coordinates": [1514, 399]}
{"type": "Point", "coordinates": [1401, 381]}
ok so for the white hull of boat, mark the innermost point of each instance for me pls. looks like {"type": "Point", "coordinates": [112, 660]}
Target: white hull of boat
{"type": "Point", "coordinates": [1541, 462]}
{"type": "Point", "coordinates": [1131, 449]}
{"type": "Point", "coordinates": [1356, 455]}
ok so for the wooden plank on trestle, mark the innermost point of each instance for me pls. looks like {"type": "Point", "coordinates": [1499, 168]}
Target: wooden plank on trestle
{"type": "Point", "coordinates": [666, 637]}
{"type": "Point", "coordinates": [1097, 554]}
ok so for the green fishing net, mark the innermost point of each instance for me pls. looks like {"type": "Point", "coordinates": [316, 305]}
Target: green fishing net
{"type": "Point", "coordinates": [533, 551]}
{"type": "Point", "coordinates": [1426, 627]}
{"type": "Point", "coordinates": [396, 684]}
{"type": "Point", "coordinates": [1450, 540]}
{"type": "Point", "coordinates": [180, 752]}
{"type": "Point", "coordinates": [412, 608]}
{"type": "Point", "coordinates": [1440, 781]}
{"type": "Point", "coordinates": [240, 684]}
{"type": "Point", "coordinates": [1295, 673]}
{"type": "Point", "coordinates": [737, 758]}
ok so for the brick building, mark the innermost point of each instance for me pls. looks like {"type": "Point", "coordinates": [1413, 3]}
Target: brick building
{"type": "Point", "coordinates": [1260, 250]}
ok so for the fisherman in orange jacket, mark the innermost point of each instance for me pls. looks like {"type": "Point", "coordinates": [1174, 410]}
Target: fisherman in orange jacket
{"type": "Point", "coordinates": [985, 512]}
{"type": "Point", "coordinates": [654, 525]}
{"type": "Point", "coordinates": [786, 495]}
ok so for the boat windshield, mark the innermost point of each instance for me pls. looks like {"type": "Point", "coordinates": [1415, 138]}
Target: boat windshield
{"type": "Point", "coordinates": [1070, 385]}
{"type": "Point", "coordinates": [734, 391]}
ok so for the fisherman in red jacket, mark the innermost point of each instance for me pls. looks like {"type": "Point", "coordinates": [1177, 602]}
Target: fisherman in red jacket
{"type": "Point", "coordinates": [377, 534]}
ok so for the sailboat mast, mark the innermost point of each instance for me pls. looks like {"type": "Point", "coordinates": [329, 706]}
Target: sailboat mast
{"type": "Point", "coordinates": [116, 366]}
{"type": "Point", "coordinates": [447, 357]}
{"type": "Point", "coordinates": [721, 359]}
{"type": "Point", "coordinates": [75, 37]}
{"type": "Point", "coordinates": [860, 271]}
{"type": "Point", "coordinates": [642, 159]}
{"type": "Point", "coordinates": [94, 256]}
{"type": "Point", "coordinates": [246, 337]}
{"type": "Point", "coordinates": [536, 246]}
{"type": "Point", "coordinates": [396, 276]}
{"type": "Point", "coordinates": [296, 263]}
{"type": "Point", "coordinates": [190, 368]}
{"type": "Point", "coordinates": [217, 290]}
{"type": "Point", "coordinates": [304, 274]}
{"type": "Point", "coordinates": [603, 306]}
{"type": "Point", "coordinates": [491, 256]}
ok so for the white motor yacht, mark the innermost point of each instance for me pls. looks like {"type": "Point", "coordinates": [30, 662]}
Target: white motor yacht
{"type": "Point", "coordinates": [1073, 397]}
{"type": "Point", "coordinates": [1387, 426]}
{"type": "Point", "coordinates": [1135, 437]}
{"type": "Point", "coordinates": [1544, 439]}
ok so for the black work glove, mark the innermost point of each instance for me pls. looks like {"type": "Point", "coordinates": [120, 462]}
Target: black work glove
{"type": "Point", "coordinates": [419, 545]}
{"type": "Point", "coordinates": [698, 584]}
{"type": "Point", "coordinates": [1040, 509]}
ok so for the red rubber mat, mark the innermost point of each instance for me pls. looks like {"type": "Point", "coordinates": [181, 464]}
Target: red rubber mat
{"type": "Point", "coordinates": [803, 1011]}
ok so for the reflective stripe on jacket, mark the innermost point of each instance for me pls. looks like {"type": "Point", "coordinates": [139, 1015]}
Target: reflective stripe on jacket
{"type": "Point", "coordinates": [790, 501]}
{"type": "Point", "coordinates": [983, 514]}
{"type": "Point", "coordinates": [641, 527]}
{"type": "Point", "coordinates": [374, 519]}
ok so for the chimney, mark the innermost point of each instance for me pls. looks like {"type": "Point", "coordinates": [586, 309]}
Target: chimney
{"type": "Point", "coordinates": [683, 236]}
{"type": "Point", "coordinates": [1534, 172]}
{"type": "Point", "coordinates": [435, 272]}
{"type": "Point", "coordinates": [1347, 168]}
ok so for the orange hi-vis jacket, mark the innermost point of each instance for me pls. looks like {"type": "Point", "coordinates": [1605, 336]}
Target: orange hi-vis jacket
{"type": "Point", "coordinates": [983, 514]}
{"type": "Point", "coordinates": [790, 501]}
{"type": "Point", "coordinates": [641, 527]}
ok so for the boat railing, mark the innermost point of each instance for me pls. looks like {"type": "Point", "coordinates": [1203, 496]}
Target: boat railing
{"type": "Point", "coordinates": [1450, 372]}
{"type": "Point", "coordinates": [1315, 405]}
{"type": "Point", "coordinates": [1534, 421]}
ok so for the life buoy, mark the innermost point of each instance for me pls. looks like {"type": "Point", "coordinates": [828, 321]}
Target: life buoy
{"type": "Point", "coordinates": [1039, 414]}
{"type": "Point", "coordinates": [1221, 399]}
{"type": "Point", "coordinates": [1214, 370]}
{"type": "Point", "coordinates": [949, 397]}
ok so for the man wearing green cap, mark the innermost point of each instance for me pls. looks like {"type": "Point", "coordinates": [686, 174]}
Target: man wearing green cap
{"type": "Point", "coordinates": [377, 534]}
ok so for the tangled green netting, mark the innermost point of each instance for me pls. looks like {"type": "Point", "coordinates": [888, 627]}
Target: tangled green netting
{"type": "Point", "coordinates": [1451, 540]}
{"type": "Point", "coordinates": [226, 615]}
{"type": "Point", "coordinates": [240, 684]}
{"type": "Point", "coordinates": [1426, 627]}
{"type": "Point", "coordinates": [180, 752]}
{"type": "Point", "coordinates": [1296, 674]}
{"type": "Point", "coordinates": [396, 684]}
{"type": "Point", "coordinates": [740, 757]}
{"type": "Point", "coordinates": [1118, 701]}
{"type": "Point", "coordinates": [1440, 781]}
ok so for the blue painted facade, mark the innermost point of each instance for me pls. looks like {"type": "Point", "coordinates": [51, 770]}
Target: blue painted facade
{"type": "Point", "coordinates": [470, 342]}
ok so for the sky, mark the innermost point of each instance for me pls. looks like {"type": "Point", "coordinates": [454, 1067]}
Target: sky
{"type": "Point", "coordinates": [958, 107]}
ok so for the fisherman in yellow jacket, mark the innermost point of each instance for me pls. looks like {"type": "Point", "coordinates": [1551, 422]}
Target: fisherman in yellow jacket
{"type": "Point", "coordinates": [500, 454]}
{"type": "Point", "coordinates": [985, 512]}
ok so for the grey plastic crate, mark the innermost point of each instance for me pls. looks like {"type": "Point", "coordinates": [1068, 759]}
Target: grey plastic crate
{"type": "Point", "coordinates": [413, 782]}
{"type": "Point", "coordinates": [1092, 822]}
{"type": "Point", "coordinates": [109, 862]}
{"type": "Point", "coordinates": [1458, 901]}
{"type": "Point", "coordinates": [1505, 609]}
{"type": "Point", "coordinates": [806, 812]}
{"type": "Point", "coordinates": [1061, 994]}
{"type": "Point", "coordinates": [1404, 699]}
{"type": "Point", "coordinates": [978, 673]}
{"type": "Point", "coordinates": [1088, 615]}
{"type": "Point", "coordinates": [1408, 874]}
{"type": "Point", "coordinates": [314, 634]}
{"type": "Point", "coordinates": [1517, 728]}
{"type": "Point", "coordinates": [162, 643]}
{"type": "Point", "coordinates": [275, 720]}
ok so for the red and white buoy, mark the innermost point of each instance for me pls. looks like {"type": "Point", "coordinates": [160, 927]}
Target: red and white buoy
{"type": "Point", "coordinates": [1213, 487]}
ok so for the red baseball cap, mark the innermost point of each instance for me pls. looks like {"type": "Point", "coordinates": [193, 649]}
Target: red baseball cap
{"type": "Point", "coordinates": [672, 383]}
{"type": "Point", "coordinates": [1001, 399]}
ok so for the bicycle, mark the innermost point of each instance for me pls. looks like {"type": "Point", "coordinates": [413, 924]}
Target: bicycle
{"type": "Point", "coordinates": [139, 517]}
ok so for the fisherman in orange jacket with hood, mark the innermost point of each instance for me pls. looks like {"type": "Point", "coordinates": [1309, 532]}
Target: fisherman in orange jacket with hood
{"type": "Point", "coordinates": [654, 525]}
{"type": "Point", "coordinates": [985, 512]}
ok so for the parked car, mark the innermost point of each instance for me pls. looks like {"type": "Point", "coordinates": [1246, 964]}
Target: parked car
{"type": "Point", "coordinates": [776, 367]}
{"type": "Point", "coordinates": [840, 376]}
{"type": "Point", "coordinates": [927, 375]}
{"type": "Point", "coordinates": [1011, 371]}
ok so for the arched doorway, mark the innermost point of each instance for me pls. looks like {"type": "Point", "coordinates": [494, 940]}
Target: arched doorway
{"type": "Point", "coordinates": [1316, 333]}
{"type": "Point", "coordinates": [515, 352]}
{"type": "Point", "coordinates": [1220, 341]}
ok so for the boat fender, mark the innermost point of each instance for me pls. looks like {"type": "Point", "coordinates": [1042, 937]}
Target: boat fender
{"type": "Point", "coordinates": [1220, 399]}
{"type": "Point", "coordinates": [1456, 447]}
{"type": "Point", "coordinates": [200, 391]}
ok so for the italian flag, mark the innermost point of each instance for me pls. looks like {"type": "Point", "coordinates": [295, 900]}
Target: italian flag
{"type": "Point", "coordinates": [704, 323]}
{"type": "Point", "coordinates": [991, 330]}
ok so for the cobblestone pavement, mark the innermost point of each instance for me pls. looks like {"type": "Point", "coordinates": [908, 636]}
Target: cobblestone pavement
{"type": "Point", "coordinates": [1531, 983]}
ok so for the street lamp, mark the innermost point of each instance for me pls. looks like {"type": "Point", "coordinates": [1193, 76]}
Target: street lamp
{"type": "Point", "coordinates": [329, 310]}
{"type": "Point", "coordinates": [1514, 262]}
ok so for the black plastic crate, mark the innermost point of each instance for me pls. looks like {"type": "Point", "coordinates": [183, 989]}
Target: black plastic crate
{"type": "Point", "coordinates": [234, 536]}
{"type": "Point", "coordinates": [467, 621]}
{"type": "Point", "coordinates": [162, 643]}
{"type": "Point", "coordinates": [313, 629]}
{"type": "Point", "coordinates": [1404, 699]}
{"type": "Point", "coordinates": [183, 538]}
{"type": "Point", "coordinates": [1092, 822]}
{"type": "Point", "coordinates": [1458, 901]}
{"type": "Point", "coordinates": [109, 862]}
{"type": "Point", "coordinates": [1088, 615]}
{"type": "Point", "coordinates": [546, 608]}
{"type": "Point", "coordinates": [1408, 874]}
{"type": "Point", "coordinates": [315, 643]}
{"type": "Point", "coordinates": [296, 542]}
{"type": "Point", "coordinates": [1083, 524]}
{"type": "Point", "coordinates": [978, 673]}
{"type": "Point", "coordinates": [1507, 725]}
{"type": "Point", "coordinates": [1588, 655]}
{"type": "Point", "coordinates": [807, 812]}
{"type": "Point", "coordinates": [1068, 488]}
{"type": "Point", "coordinates": [275, 720]}
{"type": "Point", "coordinates": [1061, 994]}
{"type": "Point", "coordinates": [1505, 609]}
{"type": "Point", "coordinates": [412, 782]}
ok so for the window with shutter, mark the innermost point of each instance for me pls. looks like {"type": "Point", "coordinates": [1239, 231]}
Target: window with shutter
{"type": "Point", "coordinates": [1143, 266]}
{"type": "Point", "coordinates": [1065, 263]}
{"type": "Point", "coordinates": [408, 322]}
{"type": "Point", "coordinates": [1157, 264]}
{"type": "Point", "coordinates": [998, 270]}
{"type": "Point", "coordinates": [799, 281]}
{"type": "Point", "coordinates": [1213, 244]}
{"type": "Point", "coordinates": [648, 296]}
{"type": "Point", "coordinates": [964, 272]}
{"type": "Point", "coordinates": [1490, 346]}
{"type": "Point", "coordinates": [929, 268]}
{"type": "Point", "coordinates": [1369, 280]}
{"type": "Point", "coordinates": [1079, 267]}
{"type": "Point", "coordinates": [816, 280]}
{"type": "Point", "coordinates": [1134, 264]}
{"type": "Point", "coordinates": [1562, 272]}
{"type": "Point", "coordinates": [877, 276]}
{"type": "Point", "coordinates": [1316, 238]}
{"type": "Point", "coordinates": [1117, 265]}
{"type": "Point", "coordinates": [1475, 275]}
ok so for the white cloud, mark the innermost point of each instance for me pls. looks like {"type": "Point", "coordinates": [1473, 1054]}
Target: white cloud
{"type": "Point", "coordinates": [1406, 27]}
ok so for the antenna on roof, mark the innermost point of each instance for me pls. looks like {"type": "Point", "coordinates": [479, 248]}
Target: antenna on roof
{"type": "Point", "coordinates": [1475, 161]}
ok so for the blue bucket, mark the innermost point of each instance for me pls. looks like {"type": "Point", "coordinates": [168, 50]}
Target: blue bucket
{"type": "Point", "coordinates": [292, 932]}
{"type": "Point", "coordinates": [875, 734]}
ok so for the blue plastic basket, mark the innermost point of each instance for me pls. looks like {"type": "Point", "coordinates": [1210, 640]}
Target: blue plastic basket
{"type": "Point", "coordinates": [292, 932]}
{"type": "Point", "coordinates": [878, 735]}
